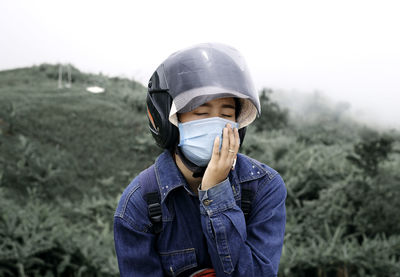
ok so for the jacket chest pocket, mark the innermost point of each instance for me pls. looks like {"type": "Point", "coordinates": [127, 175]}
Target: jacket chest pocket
{"type": "Point", "coordinates": [176, 262]}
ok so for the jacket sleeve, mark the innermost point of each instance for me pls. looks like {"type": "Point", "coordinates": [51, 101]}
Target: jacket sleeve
{"type": "Point", "coordinates": [134, 243]}
{"type": "Point", "coordinates": [237, 250]}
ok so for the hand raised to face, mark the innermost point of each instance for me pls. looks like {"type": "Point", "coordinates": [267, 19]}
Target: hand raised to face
{"type": "Point", "coordinates": [222, 161]}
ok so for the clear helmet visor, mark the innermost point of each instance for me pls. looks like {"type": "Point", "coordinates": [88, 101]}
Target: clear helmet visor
{"type": "Point", "coordinates": [196, 75]}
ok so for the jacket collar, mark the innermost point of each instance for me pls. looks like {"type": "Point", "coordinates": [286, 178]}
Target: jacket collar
{"type": "Point", "coordinates": [169, 176]}
{"type": "Point", "coordinates": [248, 169]}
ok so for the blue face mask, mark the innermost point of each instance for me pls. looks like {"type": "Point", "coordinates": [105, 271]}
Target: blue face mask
{"type": "Point", "coordinates": [197, 138]}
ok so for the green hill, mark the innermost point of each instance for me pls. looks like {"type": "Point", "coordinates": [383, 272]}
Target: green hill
{"type": "Point", "coordinates": [66, 155]}
{"type": "Point", "coordinates": [68, 140]}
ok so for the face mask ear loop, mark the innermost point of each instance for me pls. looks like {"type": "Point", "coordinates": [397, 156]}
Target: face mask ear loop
{"type": "Point", "coordinates": [197, 170]}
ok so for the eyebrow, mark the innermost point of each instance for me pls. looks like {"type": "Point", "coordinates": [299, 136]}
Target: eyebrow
{"type": "Point", "coordinates": [229, 106]}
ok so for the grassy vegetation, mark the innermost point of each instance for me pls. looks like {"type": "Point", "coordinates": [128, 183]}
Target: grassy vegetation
{"type": "Point", "coordinates": [67, 154]}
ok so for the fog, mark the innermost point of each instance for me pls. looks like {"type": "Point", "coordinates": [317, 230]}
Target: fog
{"type": "Point", "coordinates": [349, 50]}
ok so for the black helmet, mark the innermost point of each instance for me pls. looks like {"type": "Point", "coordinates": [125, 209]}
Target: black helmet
{"type": "Point", "coordinates": [192, 77]}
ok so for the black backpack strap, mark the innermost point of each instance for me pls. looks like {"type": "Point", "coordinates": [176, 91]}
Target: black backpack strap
{"type": "Point", "coordinates": [246, 200]}
{"type": "Point", "coordinates": [154, 207]}
{"type": "Point", "coordinates": [153, 199]}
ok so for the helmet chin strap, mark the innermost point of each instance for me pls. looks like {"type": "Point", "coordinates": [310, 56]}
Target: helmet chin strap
{"type": "Point", "coordinates": [198, 171]}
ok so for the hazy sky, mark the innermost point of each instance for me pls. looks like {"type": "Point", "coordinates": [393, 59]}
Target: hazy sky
{"type": "Point", "coordinates": [348, 49]}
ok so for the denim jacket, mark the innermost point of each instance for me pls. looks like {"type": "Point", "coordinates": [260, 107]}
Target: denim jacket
{"type": "Point", "coordinates": [207, 230]}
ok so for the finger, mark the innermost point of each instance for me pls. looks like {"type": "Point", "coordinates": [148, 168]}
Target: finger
{"type": "Point", "coordinates": [225, 143]}
{"type": "Point", "coordinates": [236, 147]}
{"type": "Point", "coordinates": [237, 140]}
{"type": "Point", "coordinates": [233, 164]}
{"type": "Point", "coordinates": [215, 152]}
{"type": "Point", "coordinates": [231, 142]}
{"type": "Point", "coordinates": [232, 148]}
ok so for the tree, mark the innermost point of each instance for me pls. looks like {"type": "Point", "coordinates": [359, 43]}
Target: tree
{"type": "Point", "coordinates": [369, 153]}
{"type": "Point", "coordinates": [272, 115]}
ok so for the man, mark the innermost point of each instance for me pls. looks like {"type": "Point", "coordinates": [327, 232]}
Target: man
{"type": "Point", "coordinates": [202, 209]}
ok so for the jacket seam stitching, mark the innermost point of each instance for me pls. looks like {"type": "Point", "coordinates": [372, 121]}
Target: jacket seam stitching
{"type": "Point", "coordinates": [128, 197]}
{"type": "Point", "coordinates": [176, 251]}
{"type": "Point", "coordinates": [219, 210]}
{"type": "Point", "coordinates": [265, 183]}
{"type": "Point", "coordinates": [222, 256]}
{"type": "Point", "coordinates": [132, 224]}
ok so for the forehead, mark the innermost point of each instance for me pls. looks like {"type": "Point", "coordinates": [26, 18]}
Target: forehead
{"type": "Point", "coordinates": [220, 102]}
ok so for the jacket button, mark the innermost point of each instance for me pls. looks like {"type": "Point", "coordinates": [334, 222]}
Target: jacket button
{"type": "Point", "coordinates": [207, 202]}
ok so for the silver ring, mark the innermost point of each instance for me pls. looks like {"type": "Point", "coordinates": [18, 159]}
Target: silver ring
{"type": "Point", "coordinates": [231, 151]}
